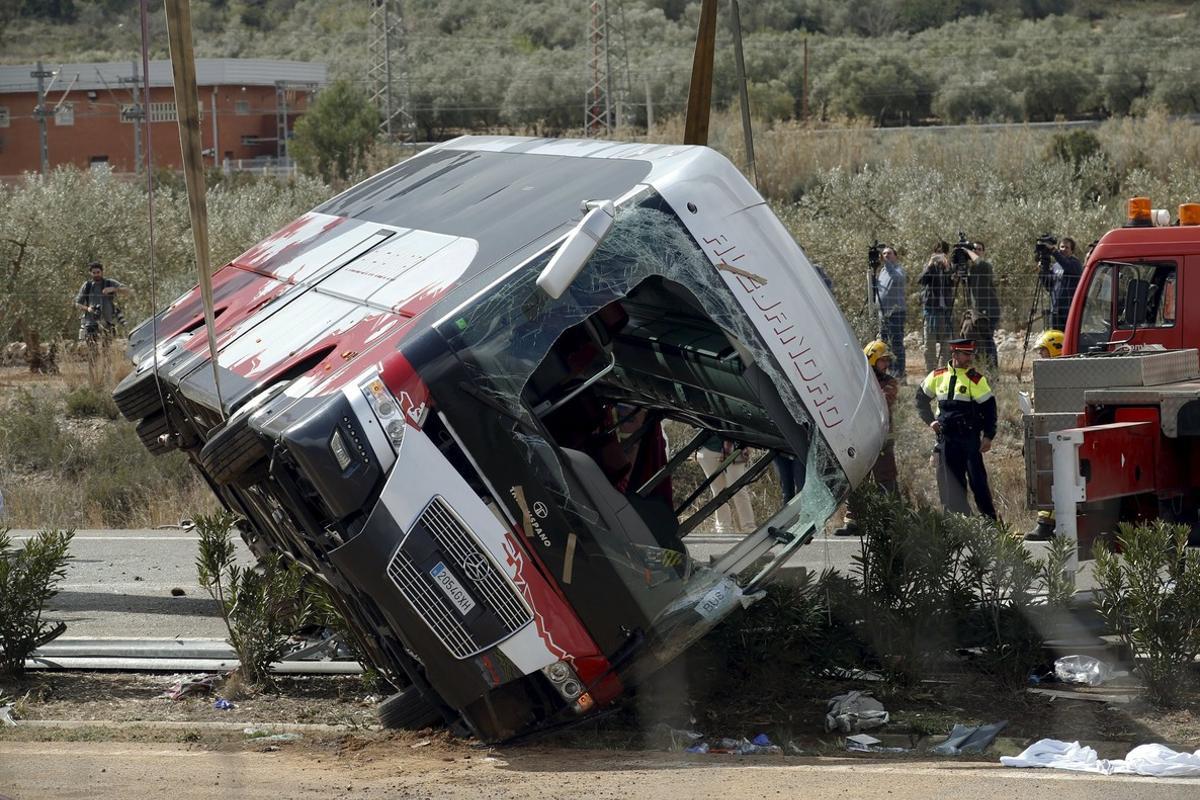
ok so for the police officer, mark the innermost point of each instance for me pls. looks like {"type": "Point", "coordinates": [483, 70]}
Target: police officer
{"type": "Point", "coordinates": [965, 425]}
{"type": "Point", "coordinates": [1049, 345]}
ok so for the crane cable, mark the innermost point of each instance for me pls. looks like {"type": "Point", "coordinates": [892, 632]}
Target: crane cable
{"type": "Point", "coordinates": [147, 163]}
{"type": "Point", "coordinates": [187, 106]}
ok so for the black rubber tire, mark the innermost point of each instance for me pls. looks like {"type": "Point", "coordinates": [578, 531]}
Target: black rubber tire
{"type": "Point", "coordinates": [237, 454]}
{"type": "Point", "coordinates": [137, 396]}
{"type": "Point", "coordinates": [409, 710]}
{"type": "Point", "coordinates": [150, 429]}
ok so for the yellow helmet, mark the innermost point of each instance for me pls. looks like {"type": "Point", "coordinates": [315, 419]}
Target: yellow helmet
{"type": "Point", "coordinates": [876, 350]}
{"type": "Point", "coordinates": [1052, 341]}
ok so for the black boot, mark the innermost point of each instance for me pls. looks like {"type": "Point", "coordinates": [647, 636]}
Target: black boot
{"type": "Point", "coordinates": [1042, 532]}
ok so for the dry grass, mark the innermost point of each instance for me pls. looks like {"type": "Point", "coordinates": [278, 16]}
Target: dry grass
{"type": "Point", "coordinates": [84, 471]}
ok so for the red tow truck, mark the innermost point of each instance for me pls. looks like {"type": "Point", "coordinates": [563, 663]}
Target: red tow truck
{"type": "Point", "coordinates": [1117, 422]}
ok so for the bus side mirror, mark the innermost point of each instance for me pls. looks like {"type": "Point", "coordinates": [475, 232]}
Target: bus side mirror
{"type": "Point", "coordinates": [577, 248]}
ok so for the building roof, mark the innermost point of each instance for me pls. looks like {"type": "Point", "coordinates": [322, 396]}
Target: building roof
{"type": "Point", "coordinates": [209, 72]}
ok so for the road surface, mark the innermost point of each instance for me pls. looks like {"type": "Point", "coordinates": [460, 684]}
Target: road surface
{"type": "Point", "coordinates": [395, 769]}
{"type": "Point", "coordinates": [119, 582]}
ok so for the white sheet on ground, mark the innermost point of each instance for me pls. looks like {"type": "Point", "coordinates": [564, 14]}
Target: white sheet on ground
{"type": "Point", "coordinates": [1154, 760]}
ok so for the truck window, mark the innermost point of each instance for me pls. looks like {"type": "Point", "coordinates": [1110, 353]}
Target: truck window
{"type": "Point", "coordinates": [1095, 326]}
{"type": "Point", "coordinates": [1157, 281]}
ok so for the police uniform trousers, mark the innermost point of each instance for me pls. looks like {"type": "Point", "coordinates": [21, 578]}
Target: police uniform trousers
{"type": "Point", "coordinates": [960, 463]}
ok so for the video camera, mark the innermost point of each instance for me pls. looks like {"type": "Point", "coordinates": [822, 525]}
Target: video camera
{"type": "Point", "coordinates": [1044, 248]}
{"type": "Point", "coordinates": [959, 253]}
{"type": "Point", "coordinates": [875, 254]}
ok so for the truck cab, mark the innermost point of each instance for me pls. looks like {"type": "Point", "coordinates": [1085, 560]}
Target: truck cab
{"type": "Point", "coordinates": [1117, 417]}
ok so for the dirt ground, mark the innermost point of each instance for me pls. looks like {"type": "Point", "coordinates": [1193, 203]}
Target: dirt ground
{"type": "Point", "coordinates": [411, 766]}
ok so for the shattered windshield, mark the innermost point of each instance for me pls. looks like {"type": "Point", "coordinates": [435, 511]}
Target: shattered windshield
{"type": "Point", "coordinates": [505, 335]}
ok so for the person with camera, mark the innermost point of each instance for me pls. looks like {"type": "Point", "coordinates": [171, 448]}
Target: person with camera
{"type": "Point", "coordinates": [97, 300]}
{"type": "Point", "coordinates": [983, 304]}
{"type": "Point", "coordinates": [965, 425]}
{"type": "Point", "coordinates": [892, 283]}
{"type": "Point", "coordinates": [937, 305]}
{"type": "Point", "coordinates": [1059, 271]}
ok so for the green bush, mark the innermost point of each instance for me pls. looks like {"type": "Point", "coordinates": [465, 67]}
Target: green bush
{"type": "Point", "coordinates": [120, 477]}
{"type": "Point", "coordinates": [28, 578]}
{"type": "Point", "coordinates": [88, 401]}
{"type": "Point", "coordinates": [31, 437]}
{"type": "Point", "coordinates": [1150, 595]}
{"type": "Point", "coordinates": [261, 606]}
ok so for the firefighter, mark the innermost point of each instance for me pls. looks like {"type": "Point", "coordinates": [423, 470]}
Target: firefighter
{"type": "Point", "coordinates": [879, 356]}
{"type": "Point", "coordinates": [965, 426]}
{"type": "Point", "coordinates": [1048, 345]}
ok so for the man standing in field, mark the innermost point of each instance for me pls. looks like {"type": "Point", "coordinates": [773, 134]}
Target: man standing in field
{"type": "Point", "coordinates": [97, 300]}
{"type": "Point", "coordinates": [937, 304]}
{"type": "Point", "coordinates": [893, 308]}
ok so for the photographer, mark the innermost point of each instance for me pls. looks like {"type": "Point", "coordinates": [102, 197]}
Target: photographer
{"type": "Point", "coordinates": [937, 304]}
{"type": "Point", "coordinates": [1059, 271]}
{"type": "Point", "coordinates": [983, 304]}
{"type": "Point", "coordinates": [97, 300]}
{"type": "Point", "coordinates": [893, 308]}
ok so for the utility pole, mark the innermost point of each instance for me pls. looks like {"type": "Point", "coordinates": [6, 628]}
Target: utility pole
{"type": "Point", "coordinates": [608, 95]}
{"type": "Point", "coordinates": [804, 90]}
{"type": "Point", "coordinates": [40, 112]}
{"type": "Point", "coordinates": [137, 116]}
{"type": "Point", "coordinates": [386, 75]}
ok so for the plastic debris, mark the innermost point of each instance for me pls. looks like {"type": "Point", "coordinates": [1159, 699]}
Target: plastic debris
{"type": "Point", "coordinates": [854, 712]}
{"type": "Point", "coordinates": [6, 717]}
{"type": "Point", "coordinates": [673, 739]}
{"type": "Point", "coordinates": [222, 704]}
{"type": "Point", "coordinates": [969, 738]}
{"type": "Point", "coordinates": [699, 747]}
{"type": "Point", "coordinates": [1082, 669]}
{"type": "Point", "coordinates": [186, 687]}
{"type": "Point", "coordinates": [762, 740]}
{"type": "Point", "coordinates": [866, 743]}
{"type": "Point", "coordinates": [1154, 760]}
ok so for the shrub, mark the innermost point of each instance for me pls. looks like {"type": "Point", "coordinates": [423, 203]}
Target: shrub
{"type": "Point", "coordinates": [260, 606]}
{"type": "Point", "coordinates": [1150, 595]}
{"type": "Point", "coordinates": [28, 578]}
{"type": "Point", "coordinates": [88, 401]}
{"type": "Point", "coordinates": [30, 436]}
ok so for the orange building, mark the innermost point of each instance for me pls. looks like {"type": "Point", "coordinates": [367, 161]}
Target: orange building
{"type": "Point", "coordinates": [247, 111]}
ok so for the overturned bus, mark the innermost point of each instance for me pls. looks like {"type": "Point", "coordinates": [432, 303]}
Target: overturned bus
{"type": "Point", "coordinates": [443, 393]}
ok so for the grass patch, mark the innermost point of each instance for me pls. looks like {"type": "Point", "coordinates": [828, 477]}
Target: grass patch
{"type": "Point", "coordinates": [90, 401]}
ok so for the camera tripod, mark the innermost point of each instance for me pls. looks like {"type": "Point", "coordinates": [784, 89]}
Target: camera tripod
{"type": "Point", "coordinates": [1034, 307]}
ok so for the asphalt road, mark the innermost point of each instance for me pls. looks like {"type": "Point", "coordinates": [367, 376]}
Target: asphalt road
{"type": "Point", "coordinates": [119, 583]}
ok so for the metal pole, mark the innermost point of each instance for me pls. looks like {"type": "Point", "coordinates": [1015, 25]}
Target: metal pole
{"type": "Point", "coordinates": [40, 113]}
{"type": "Point", "coordinates": [744, 96]}
{"type": "Point", "coordinates": [609, 122]}
{"type": "Point", "coordinates": [649, 108]}
{"type": "Point", "coordinates": [216, 143]}
{"type": "Point", "coordinates": [387, 70]}
{"type": "Point", "coordinates": [804, 90]}
{"type": "Point", "coordinates": [137, 121]}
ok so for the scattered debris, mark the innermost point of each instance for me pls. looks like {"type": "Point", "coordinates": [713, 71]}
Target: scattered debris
{"type": "Point", "coordinates": [1082, 669]}
{"type": "Point", "coordinates": [6, 717]}
{"type": "Point", "coordinates": [759, 745]}
{"type": "Point", "coordinates": [854, 712]}
{"type": "Point", "coordinates": [223, 705]}
{"type": "Point", "coordinates": [674, 739]}
{"type": "Point", "coordinates": [969, 738]}
{"type": "Point", "coordinates": [187, 687]}
{"type": "Point", "coordinates": [283, 737]}
{"type": "Point", "coordinates": [866, 743]}
{"type": "Point", "coordinates": [422, 743]}
{"type": "Point", "coordinates": [1066, 694]}
{"type": "Point", "coordinates": [1153, 760]}
{"type": "Point", "coordinates": [177, 591]}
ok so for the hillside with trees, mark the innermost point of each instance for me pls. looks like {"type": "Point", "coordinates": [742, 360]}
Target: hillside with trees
{"type": "Point", "coordinates": [523, 64]}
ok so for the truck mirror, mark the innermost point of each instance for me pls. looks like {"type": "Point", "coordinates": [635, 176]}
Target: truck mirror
{"type": "Point", "coordinates": [1137, 292]}
{"type": "Point", "coordinates": [577, 248]}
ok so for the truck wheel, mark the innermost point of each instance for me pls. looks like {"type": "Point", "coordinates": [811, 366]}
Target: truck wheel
{"type": "Point", "coordinates": [408, 710]}
{"type": "Point", "coordinates": [137, 396]}
{"type": "Point", "coordinates": [237, 454]}
{"type": "Point", "coordinates": [148, 431]}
